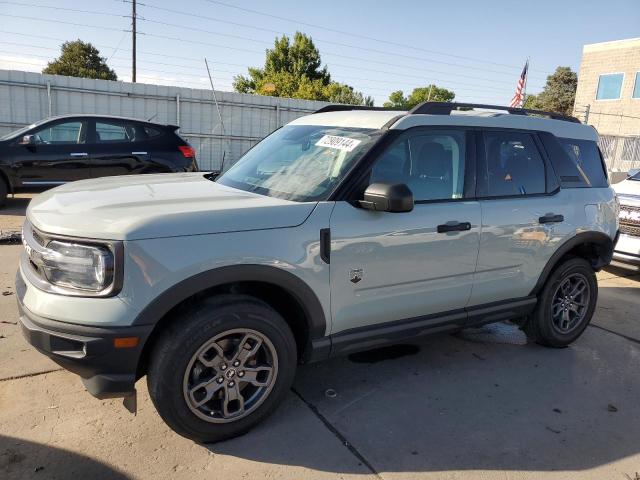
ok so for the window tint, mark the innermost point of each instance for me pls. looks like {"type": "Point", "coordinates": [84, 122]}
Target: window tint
{"type": "Point", "coordinates": [151, 132]}
{"type": "Point", "coordinates": [431, 164]}
{"type": "Point", "coordinates": [113, 132]}
{"type": "Point", "coordinates": [584, 154]}
{"type": "Point", "coordinates": [636, 86]}
{"type": "Point", "coordinates": [513, 166]}
{"type": "Point", "coordinates": [609, 86]}
{"type": "Point", "coordinates": [61, 133]}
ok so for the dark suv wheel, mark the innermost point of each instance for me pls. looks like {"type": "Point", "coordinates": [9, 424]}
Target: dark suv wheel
{"type": "Point", "coordinates": [3, 192]}
{"type": "Point", "coordinates": [221, 367]}
{"type": "Point", "coordinates": [565, 306]}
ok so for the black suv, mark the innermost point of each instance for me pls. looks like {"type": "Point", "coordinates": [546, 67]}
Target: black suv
{"type": "Point", "coordinates": [75, 147]}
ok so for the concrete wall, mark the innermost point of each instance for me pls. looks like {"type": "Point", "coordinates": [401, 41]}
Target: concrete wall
{"type": "Point", "coordinates": [26, 97]}
{"type": "Point", "coordinates": [610, 117]}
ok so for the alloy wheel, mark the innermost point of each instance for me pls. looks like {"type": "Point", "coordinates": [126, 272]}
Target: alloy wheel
{"type": "Point", "coordinates": [230, 375]}
{"type": "Point", "coordinates": [570, 303]}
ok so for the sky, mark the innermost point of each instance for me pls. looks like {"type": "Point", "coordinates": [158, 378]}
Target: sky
{"type": "Point", "coordinates": [475, 48]}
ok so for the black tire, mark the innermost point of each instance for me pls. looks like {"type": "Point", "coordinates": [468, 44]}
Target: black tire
{"type": "Point", "coordinates": [541, 327]}
{"type": "Point", "coordinates": [3, 192]}
{"type": "Point", "coordinates": [188, 334]}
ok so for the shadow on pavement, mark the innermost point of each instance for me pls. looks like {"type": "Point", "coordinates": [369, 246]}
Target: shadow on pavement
{"type": "Point", "coordinates": [458, 405]}
{"type": "Point", "coordinates": [22, 459]}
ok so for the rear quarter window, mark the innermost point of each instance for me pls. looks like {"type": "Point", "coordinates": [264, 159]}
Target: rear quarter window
{"type": "Point", "coordinates": [586, 162]}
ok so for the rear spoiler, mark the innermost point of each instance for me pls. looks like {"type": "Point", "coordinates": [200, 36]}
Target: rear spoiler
{"type": "Point", "coordinates": [172, 128]}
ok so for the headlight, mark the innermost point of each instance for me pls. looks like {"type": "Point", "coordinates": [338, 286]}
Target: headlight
{"type": "Point", "coordinates": [72, 266]}
{"type": "Point", "coordinates": [83, 267]}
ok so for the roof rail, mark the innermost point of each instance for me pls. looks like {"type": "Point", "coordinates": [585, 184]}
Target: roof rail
{"type": "Point", "coordinates": [445, 108]}
{"type": "Point", "coordinates": [343, 108]}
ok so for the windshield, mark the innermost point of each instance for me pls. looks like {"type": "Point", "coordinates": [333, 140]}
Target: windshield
{"type": "Point", "coordinates": [300, 162]}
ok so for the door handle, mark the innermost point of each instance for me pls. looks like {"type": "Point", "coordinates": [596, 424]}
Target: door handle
{"type": "Point", "coordinates": [454, 227]}
{"type": "Point", "coordinates": [78, 154]}
{"type": "Point", "coordinates": [551, 218]}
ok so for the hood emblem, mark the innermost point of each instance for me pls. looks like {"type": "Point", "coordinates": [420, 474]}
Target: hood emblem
{"type": "Point", "coordinates": [355, 275]}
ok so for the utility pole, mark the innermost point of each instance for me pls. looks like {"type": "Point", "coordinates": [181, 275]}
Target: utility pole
{"type": "Point", "coordinates": [133, 31]}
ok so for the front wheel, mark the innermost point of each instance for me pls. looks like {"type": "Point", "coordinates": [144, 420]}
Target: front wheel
{"type": "Point", "coordinates": [221, 368]}
{"type": "Point", "coordinates": [565, 306]}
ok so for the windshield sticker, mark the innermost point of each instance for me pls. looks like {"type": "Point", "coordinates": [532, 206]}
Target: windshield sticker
{"type": "Point", "coordinates": [339, 143]}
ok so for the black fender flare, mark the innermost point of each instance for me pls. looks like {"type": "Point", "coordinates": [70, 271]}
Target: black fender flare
{"type": "Point", "coordinates": [605, 254]}
{"type": "Point", "coordinates": [297, 288]}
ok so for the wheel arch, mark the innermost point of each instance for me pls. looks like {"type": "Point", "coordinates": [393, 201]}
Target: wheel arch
{"type": "Point", "coordinates": [280, 289]}
{"type": "Point", "coordinates": [595, 247]}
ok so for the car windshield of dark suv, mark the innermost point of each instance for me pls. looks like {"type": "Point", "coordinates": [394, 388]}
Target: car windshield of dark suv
{"type": "Point", "coordinates": [300, 162]}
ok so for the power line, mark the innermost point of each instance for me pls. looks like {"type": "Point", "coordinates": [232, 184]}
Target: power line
{"type": "Point", "coordinates": [352, 34]}
{"type": "Point", "coordinates": [64, 22]}
{"type": "Point", "coordinates": [474, 87]}
{"type": "Point", "coordinates": [244, 25]}
{"type": "Point", "coordinates": [64, 9]}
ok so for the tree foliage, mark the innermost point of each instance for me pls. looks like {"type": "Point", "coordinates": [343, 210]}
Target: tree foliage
{"type": "Point", "coordinates": [80, 59]}
{"type": "Point", "coordinates": [295, 70]}
{"type": "Point", "coordinates": [559, 93]}
{"type": "Point", "coordinates": [430, 93]}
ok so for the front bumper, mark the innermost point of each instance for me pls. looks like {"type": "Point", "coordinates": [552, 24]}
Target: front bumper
{"type": "Point", "coordinates": [627, 249]}
{"type": "Point", "coordinates": [90, 352]}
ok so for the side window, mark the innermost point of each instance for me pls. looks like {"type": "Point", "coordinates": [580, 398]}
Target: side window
{"type": "Point", "coordinates": [585, 157]}
{"type": "Point", "coordinates": [513, 166]}
{"type": "Point", "coordinates": [151, 132]}
{"type": "Point", "coordinates": [61, 133]}
{"type": "Point", "coordinates": [431, 164]}
{"type": "Point", "coordinates": [115, 132]}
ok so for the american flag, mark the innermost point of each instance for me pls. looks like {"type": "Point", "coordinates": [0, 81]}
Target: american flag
{"type": "Point", "coordinates": [518, 98]}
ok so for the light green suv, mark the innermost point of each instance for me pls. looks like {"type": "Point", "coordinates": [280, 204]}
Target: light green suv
{"type": "Point", "coordinates": [344, 230]}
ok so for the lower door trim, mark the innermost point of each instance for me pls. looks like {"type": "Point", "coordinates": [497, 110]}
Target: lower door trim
{"type": "Point", "coordinates": [373, 336]}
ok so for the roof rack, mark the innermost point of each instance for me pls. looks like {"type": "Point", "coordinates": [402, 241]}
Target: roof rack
{"type": "Point", "coordinates": [343, 108]}
{"type": "Point", "coordinates": [445, 108]}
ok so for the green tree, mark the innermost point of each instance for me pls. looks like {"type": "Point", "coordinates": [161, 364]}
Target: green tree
{"type": "Point", "coordinates": [294, 70]}
{"type": "Point", "coordinates": [559, 92]}
{"type": "Point", "coordinates": [430, 93]}
{"type": "Point", "coordinates": [80, 59]}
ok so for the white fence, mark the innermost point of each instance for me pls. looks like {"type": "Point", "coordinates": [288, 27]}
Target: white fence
{"type": "Point", "coordinates": [26, 97]}
{"type": "Point", "coordinates": [621, 154]}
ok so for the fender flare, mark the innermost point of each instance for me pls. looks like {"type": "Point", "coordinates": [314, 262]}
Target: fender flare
{"type": "Point", "coordinates": [296, 287]}
{"type": "Point", "coordinates": [600, 239]}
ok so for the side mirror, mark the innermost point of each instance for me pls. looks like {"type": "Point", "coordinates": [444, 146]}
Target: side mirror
{"type": "Point", "coordinates": [385, 197]}
{"type": "Point", "coordinates": [28, 140]}
{"type": "Point", "coordinates": [632, 172]}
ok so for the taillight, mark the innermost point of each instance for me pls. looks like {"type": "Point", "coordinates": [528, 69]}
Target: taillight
{"type": "Point", "coordinates": [187, 151]}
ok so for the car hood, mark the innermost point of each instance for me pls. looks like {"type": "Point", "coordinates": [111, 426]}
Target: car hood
{"type": "Point", "coordinates": [155, 206]}
{"type": "Point", "coordinates": [628, 189]}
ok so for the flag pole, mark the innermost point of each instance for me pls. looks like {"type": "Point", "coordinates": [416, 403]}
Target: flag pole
{"type": "Point", "coordinates": [524, 88]}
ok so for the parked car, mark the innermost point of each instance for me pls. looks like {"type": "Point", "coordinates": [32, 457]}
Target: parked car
{"type": "Point", "coordinates": [76, 147]}
{"type": "Point", "coordinates": [344, 230]}
{"type": "Point", "coordinates": [627, 249]}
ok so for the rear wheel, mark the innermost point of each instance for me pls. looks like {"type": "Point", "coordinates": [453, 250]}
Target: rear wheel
{"type": "Point", "coordinates": [565, 306]}
{"type": "Point", "coordinates": [221, 368]}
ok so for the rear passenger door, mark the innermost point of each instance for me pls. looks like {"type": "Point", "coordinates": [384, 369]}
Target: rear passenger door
{"type": "Point", "coordinates": [119, 147]}
{"type": "Point", "coordinates": [522, 217]}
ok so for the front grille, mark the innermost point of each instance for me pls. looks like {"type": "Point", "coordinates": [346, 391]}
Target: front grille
{"type": "Point", "coordinates": [630, 230]}
{"type": "Point", "coordinates": [630, 220]}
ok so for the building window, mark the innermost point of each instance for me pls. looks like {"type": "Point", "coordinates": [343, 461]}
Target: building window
{"type": "Point", "coordinates": [609, 86]}
{"type": "Point", "coordinates": [636, 88]}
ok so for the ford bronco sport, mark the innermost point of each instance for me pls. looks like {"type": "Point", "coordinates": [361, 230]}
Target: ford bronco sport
{"type": "Point", "coordinates": [344, 230]}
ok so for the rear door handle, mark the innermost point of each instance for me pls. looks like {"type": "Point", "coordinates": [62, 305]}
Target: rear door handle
{"type": "Point", "coordinates": [78, 154]}
{"type": "Point", "coordinates": [551, 218]}
{"type": "Point", "coordinates": [454, 227]}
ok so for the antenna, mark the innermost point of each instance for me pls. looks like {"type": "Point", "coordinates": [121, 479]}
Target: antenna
{"type": "Point", "coordinates": [215, 99]}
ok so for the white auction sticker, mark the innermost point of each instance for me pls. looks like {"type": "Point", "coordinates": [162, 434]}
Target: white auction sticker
{"type": "Point", "coordinates": [340, 143]}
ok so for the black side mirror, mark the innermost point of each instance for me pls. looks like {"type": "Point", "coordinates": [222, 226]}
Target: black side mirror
{"type": "Point", "coordinates": [385, 197]}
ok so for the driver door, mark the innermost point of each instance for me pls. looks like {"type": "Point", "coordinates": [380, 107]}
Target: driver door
{"type": "Point", "coordinates": [58, 155]}
{"type": "Point", "coordinates": [390, 267]}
